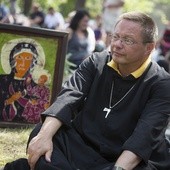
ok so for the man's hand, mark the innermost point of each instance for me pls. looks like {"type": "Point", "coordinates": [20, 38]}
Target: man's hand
{"type": "Point", "coordinates": [42, 143]}
{"type": "Point", "coordinates": [38, 146]}
{"type": "Point", "coordinates": [128, 160]}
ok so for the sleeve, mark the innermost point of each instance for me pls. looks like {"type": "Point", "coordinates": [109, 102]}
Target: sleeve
{"type": "Point", "coordinates": [73, 93]}
{"type": "Point", "coordinates": [150, 129]}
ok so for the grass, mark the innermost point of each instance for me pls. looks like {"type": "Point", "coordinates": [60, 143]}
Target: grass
{"type": "Point", "coordinates": [13, 144]}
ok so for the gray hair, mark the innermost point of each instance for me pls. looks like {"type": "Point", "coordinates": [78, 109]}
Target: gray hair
{"type": "Point", "coordinates": [150, 30]}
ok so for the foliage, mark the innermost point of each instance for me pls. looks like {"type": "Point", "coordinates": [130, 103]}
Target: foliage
{"type": "Point", "coordinates": [67, 7]}
{"type": "Point", "coordinates": [51, 3]}
{"type": "Point", "coordinates": [94, 7]}
{"type": "Point", "coordinates": [63, 6]}
{"type": "Point", "coordinates": [162, 9]}
{"type": "Point", "coordinates": [142, 5]}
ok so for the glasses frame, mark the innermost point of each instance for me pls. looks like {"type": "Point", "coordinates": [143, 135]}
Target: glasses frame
{"type": "Point", "coordinates": [124, 40]}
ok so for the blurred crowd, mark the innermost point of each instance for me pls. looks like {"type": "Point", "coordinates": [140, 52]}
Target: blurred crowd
{"type": "Point", "coordinates": [86, 35]}
{"type": "Point", "coordinates": [162, 52]}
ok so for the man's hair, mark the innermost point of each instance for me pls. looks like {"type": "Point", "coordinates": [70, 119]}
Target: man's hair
{"type": "Point", "coordinates": [150, 30]}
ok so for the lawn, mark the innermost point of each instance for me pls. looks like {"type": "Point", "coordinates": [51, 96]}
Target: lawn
{"type": "Point", "coordinates": [13, 143]}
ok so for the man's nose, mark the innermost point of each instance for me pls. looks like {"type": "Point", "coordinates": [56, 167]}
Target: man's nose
{"type": "Point", "coordinates": [118, 43]}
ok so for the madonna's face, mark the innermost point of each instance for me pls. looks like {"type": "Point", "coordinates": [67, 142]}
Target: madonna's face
{"type": "Point", "coordinates": [23, 63]}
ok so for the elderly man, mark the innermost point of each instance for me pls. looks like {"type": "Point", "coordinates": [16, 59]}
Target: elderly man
{"type": "Point", "coordinates": [112, 113]}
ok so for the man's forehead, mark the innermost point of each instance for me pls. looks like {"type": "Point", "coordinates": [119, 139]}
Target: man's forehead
{"type": "Point", "coordinates": [128, 27]}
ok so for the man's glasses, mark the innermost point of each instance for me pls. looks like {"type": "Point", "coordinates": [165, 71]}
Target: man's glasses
{"type": "Point", "coordinates": [124, 40]}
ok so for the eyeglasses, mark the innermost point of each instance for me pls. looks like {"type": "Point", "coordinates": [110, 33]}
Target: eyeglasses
{"type": "Point", "coordinates": [124, 40]}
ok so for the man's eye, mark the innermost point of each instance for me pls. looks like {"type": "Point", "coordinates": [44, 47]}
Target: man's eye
{"type": "Point", "coordinates": [115, 37]}
{"type": "Point", "coordinates": [128, 41]}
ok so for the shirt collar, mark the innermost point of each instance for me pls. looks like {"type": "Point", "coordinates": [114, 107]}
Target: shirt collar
{"type": "Point", "coordinates": [137, 73]}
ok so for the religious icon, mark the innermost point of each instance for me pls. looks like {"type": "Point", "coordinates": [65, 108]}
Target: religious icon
{"type": "Point", "coordinates": [22, 97]}
{"type": "Point", "coordinates": [31, 72]}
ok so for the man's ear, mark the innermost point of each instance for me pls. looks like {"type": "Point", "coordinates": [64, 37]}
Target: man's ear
{"type": "Point", "coordinates": [149, 48]}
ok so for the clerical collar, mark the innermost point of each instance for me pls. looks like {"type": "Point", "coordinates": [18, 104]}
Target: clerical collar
{"type": "Point", "coordinates": [137, 73]}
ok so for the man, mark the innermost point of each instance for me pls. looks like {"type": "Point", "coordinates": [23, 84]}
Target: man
{"type": "Point", "coordinates": [53, 19]}
{"type": "Point", "coordinates": [37, 16]}
{"type": "Point", "coordinates": [121, 108]}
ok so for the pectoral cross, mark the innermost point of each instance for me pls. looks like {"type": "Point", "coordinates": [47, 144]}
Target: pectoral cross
{"type": "Point", "coordinates": [106, 110]}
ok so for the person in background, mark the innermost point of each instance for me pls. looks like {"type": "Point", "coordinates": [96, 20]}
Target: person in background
{"type": "Point", "coordinates": [54, 20]}
{"type": "Point", "coordinates": [100, 35]}
{"type": "Point", "coordinates": [4, 14]}
{"type": "Point", "coordinates": [165, 41]}
{"type": "Point", "coordinates": [37, 16]}
{"type": "Point", "coordinates": [162, 48]}
{"type": "Point", "coordinates": [81, 38]}
{"type": "Point", "coordinates": [13, 7]}
{"type": "Point", "coordinates": [167, 57]}
{"type": "Point", "coordinates": [112, 9]}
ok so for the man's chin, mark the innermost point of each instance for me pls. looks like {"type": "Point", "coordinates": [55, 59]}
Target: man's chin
{"type": "Point", "coordinates": [118, 60]}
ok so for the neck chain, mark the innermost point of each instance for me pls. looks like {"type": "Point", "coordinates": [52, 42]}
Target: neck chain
{"type": "Point", "coordinates": [110, 100]}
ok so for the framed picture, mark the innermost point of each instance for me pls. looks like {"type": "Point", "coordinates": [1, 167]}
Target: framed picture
{"type": "Point", "coordinates": [31, 71]}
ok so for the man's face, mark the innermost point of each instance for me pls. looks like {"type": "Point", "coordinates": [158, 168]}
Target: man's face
{"type": "Point", "coordinates": [23, 62]}
{"type": "Point", "coordinates": [127, 47]}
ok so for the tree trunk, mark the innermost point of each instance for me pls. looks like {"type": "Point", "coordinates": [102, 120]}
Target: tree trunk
{"type": "Point", "coordinates": [27, 6]}
{"type": "Point", "coordinates": [80, 4]}
{"type": "Point", "coordinates": [13, 7]}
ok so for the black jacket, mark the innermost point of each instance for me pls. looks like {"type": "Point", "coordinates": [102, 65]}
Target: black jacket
{"type": "Point", "coordinates": [136, 123]}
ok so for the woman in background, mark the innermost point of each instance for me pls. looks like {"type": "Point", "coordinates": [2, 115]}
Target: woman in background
{"type": "Point", "coordinates": [81, 38]}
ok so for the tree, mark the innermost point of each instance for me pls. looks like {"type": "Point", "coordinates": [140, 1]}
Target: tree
{"type": "Point", "coordinates": [12, 7]}
{"type": "Point", "coordinates": [27, 6]}
{"type": "Point", "coordinates": [158, 9]}
{"type": "Point", "coordinates": [80, 4]}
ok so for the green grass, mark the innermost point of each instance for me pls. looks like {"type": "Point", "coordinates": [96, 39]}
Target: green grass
{"type": "Point", "coordinates": [13, 144]}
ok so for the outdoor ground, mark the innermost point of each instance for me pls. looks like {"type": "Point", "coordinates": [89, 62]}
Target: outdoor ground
{"type": "Point", "coordinates": [13, 143]}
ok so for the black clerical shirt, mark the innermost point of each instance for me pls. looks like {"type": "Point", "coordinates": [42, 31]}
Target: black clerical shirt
{"type": "Point", "coordinates": [136, 123]}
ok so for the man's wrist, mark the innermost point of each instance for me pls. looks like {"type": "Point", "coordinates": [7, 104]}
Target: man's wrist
{"type": "Point", "coordinates": [117, 168]}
